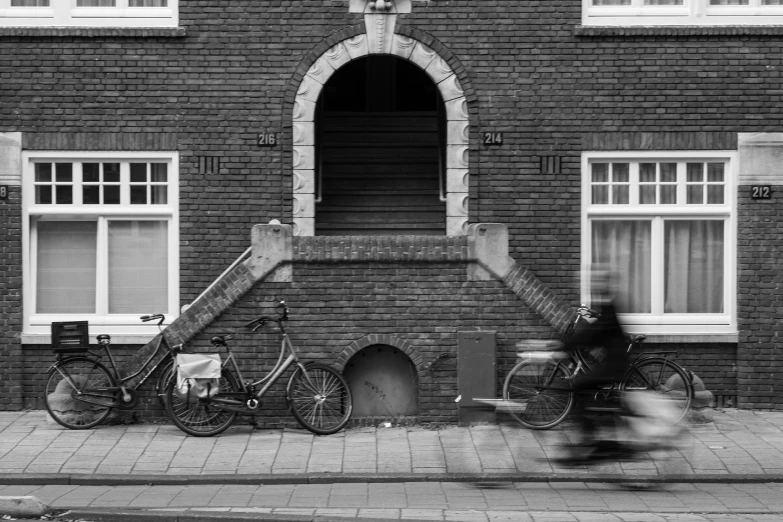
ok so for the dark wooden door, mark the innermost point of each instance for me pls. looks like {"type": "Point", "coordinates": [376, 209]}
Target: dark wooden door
{"type": "Point", "coordinates": [379, 147]}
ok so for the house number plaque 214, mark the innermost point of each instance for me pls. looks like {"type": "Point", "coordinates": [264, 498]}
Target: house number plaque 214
{"type": "Point", "coordinates": [493, 138]}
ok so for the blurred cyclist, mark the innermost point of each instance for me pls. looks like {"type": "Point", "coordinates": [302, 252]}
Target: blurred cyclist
{"type": "Point", "coordinates": [606, 344]}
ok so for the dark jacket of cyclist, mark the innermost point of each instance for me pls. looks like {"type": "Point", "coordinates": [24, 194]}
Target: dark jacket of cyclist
{"type": "Point", "coordinates": [605, 347]}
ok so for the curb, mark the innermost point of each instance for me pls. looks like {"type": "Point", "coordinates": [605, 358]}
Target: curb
{"type": "Point", "coordinates": [130, 515]}
{"type": "Point", "coordinates": [78, 479]}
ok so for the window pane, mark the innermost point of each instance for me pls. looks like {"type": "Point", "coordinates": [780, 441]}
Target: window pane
{"type": "Point", "coordinates": [43, 195]}
{"type": "Point", "coordinates": [64, 172]}
{"type": "Point", "coordinates": [111, 195]}
{"type": "Point", "coordinates": [668, 194]}
{"type": "Point", "coordinates": [66, 267]}
{"type": "Point", "coordinates": [620, 172]}
{"type": "Point", "coordinates": [647, 195]}
{"type": "Point", "coordinates": [43, 172]}
{"type": "Point", "coordinates": [147, 3]}
{"type": "Point", "coordinates": [620, 195]}
{"type": "Point", "coordinates": [663, 2]}
{"type": "Point", "coordinates": [729, 2]}
{"type": "Point", "coordinates": [695, 172]}
{"type": "Point", "coordinates": [715, 194]}
{"type": "Point", "coordinates": [29, 3]}
{"type": "Point", "coordinates": [668, 172]}
{"type": "Point", "coordinates": [138, 267]}
{"type": "Point", "coordinates": [159, 172]}
{"type": "Point", "coordinates": [138, 172]}
{"type": "Point", "coordinates": [647, 172]}
{"type": "Point", "coordinates": [91, 195]}
{"type": "Point", "coordinates": [715, 172]}
{"type": "Point", "coordinates": [64, 194]}
{"type": "Point", "coordinates": [138, 195]}
{"type": "Point", "coordinates": [600, 195]}
{"type": "Point", "coordinates": [91, 172]}
{"type": "Point", "coordinates": [693, 266]}
{"type": "Point", "coordinates": [600, 172]}
{"type": "Point", "coordinates": [625, 247]}
{"type": "Point", "coordinates": [611, 2]}
{"type": "Point", "coordinates": [111, 172]}
{"type": "Point", "coordinates": [159, 195]}
{"type": "Point", "coordinates": [695, 195]}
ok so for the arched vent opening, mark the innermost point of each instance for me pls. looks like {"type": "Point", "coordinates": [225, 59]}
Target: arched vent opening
{"type": "Point", "coordinates": [384, 383]}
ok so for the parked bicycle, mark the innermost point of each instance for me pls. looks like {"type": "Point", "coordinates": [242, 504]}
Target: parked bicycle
{"type": "Point", "coordinates": [317, 395]}
{"type": "Point", "coordinates": [540, 384]}
{"type": "Point", "coordinates": [80, 391]}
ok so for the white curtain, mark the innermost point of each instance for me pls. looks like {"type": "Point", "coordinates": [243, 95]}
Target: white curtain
{"type": "Point", "coordinates": [147, 3]}
{"type": "Point", "coordinates": [729, 2]}
{"type": "Point", "coordinates": [66, 267]}
{"type": "Point", "coordinates": [29, 3]}
{"type": "Point", "coordinates": [138, 267]}
{"type": "Point", "coordinates": [694, 266]}
{"type": "Point", "coordinates": [625, 247]}
{"type": "Point", "coordinates": [95, 3]}
{"type": "Point", "coordinates": [611, 2]}
{"type": "Point", "coordinates": [663, 2]}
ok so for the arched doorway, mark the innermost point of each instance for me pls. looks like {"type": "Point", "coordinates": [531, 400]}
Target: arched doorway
{"type": "Point", "coordinates": [383, 381]}
{"type": "Point", "coordinates": [380, 142]}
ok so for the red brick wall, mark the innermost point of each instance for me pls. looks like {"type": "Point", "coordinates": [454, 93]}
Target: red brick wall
{"type": "Point", "coordinates": [11, 300]}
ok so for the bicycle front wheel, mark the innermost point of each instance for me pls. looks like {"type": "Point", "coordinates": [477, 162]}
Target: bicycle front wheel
{"type": "Point", "coordinates": [79, 393]}
{"type": "Point", "coordinates": [534, 404]}
{"type": "Point", "coordinates": [202, 417]}
{"type": "Point", "coordinates": [320, 399]}
{"type": "Point", "coordinates": [666, 379]}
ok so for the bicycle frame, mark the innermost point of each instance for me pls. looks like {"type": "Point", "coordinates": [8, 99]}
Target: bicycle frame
{"type": "Point", "coordinates": [269, 380]}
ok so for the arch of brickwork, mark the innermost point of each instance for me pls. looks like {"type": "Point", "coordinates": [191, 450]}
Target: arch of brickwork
{"type": "Point", "coordinates": [374, 339]}
{"type": "Point", "coordinates": [408, 44]}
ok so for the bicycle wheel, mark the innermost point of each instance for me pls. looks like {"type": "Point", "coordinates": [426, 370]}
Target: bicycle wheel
{"type": "Point", "coordinates": [665, 378]}
{"type": "Point", "coordinates": [526, 385]}
{"type": "Point", "coordinates": [167, 373]}
{"type": "Point", "coordinates": [203, 417]}
{"type": "Point", "coordinates": [79, 393]}
{"type": "Point", "coordinates": [321, 401]}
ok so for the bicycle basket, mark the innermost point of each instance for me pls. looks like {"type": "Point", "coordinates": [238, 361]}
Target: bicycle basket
{"type": "Point", "coordinates": [198, 375]}
{"type": "Point", "coordinates": [70, 337]}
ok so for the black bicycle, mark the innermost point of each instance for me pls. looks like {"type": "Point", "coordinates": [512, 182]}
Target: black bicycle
{"type": "Point", "coordinates": [539, 386]}
{"type": "Point", "coordinates": [80, 391]}
{"type": "Point", "coordinates": [317, 395]}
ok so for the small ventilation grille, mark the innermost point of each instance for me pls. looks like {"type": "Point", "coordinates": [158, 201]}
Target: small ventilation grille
{"type": "Point", "coordinates": [209, 165]}
{"type": "Point", "coordinates": [549, 164]}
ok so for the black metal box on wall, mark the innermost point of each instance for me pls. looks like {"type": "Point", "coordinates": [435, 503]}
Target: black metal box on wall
{"type": "Point", "coordinates": [476, 375]}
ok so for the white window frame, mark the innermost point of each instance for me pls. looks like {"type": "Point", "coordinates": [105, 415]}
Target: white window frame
{"type": "Point", "coordinates": [37, 326]}
{"type": "Point", "coordinates": [64, 13]}
{"type": "Point", "coordinates": [692, 12]}
{"type": "Point", "coordinates": [657, 322]}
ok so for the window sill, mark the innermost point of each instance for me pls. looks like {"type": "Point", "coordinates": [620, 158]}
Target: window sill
{"type": "Point", "coordinates": [672, 30]}
{"type": "Point", "coordinates": [95, 32]}
{"type": "Point", "coordinates": [681, 338]}
{"type": "Point", "coordinates": [36, 338]}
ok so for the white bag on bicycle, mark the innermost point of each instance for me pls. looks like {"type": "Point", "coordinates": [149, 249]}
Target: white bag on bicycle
{"type": "Point", "coordinates": [198, 375]}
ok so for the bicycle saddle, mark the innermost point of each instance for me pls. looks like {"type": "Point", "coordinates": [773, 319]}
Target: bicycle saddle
{"type": "Point", "coordinates": [103, 339]}
{"type": "Point", "coordinates": [220, 340]}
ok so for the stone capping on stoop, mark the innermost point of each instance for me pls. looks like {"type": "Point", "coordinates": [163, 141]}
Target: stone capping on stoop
{"type": "Point", "coordinates": [274, 250]}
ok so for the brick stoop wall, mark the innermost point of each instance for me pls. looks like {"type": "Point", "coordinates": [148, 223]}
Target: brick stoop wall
{"type": "Point", "coordinates": [462, 277]}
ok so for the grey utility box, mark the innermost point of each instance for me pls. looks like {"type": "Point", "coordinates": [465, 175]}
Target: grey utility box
{"type": "Point", "coordinates": [476, 376]}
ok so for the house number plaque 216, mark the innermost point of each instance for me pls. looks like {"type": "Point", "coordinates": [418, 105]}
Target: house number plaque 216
{"type": "Point", "coordinates": [267, 139]}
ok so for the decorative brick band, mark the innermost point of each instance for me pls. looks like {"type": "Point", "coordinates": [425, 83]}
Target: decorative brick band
{"type": "Point", "coordinates": [373, 339]}
{"type": "Point", "coordinates": [538, 296]}
{"type": "Point", "coordinates": [686, 30]}
{"type": "Point", "coordinates": [141, 141]}
{"type": "Point", "coordinates": [95, 32]}
{"type": "Point", "coordinates": [361, 249]}
{"type": "Point", "coordinates": [660, 141]}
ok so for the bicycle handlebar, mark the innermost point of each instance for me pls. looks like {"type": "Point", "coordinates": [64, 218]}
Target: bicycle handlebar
{"type": "Point", "coordinates": [153, 317]}
{"type": "Point", "coordinates": [258, 323]}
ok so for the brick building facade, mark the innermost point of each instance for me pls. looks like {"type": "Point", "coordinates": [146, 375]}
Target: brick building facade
{"type": "Point", "coordinates": [152, 143]}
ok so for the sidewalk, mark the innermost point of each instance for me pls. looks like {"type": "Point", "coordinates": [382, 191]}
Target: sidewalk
{"type": "Point", "coordinates": [728, 470]}
{"type": "Point", "coordinates": [739, 446]}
